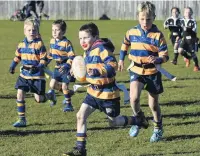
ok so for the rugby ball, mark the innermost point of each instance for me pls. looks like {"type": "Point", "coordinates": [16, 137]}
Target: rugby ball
{"type": "Point", "coordinates": [79, 68]}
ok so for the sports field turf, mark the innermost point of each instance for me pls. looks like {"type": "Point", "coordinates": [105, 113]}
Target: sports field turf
{"type": "Point", "coordinates": [50, 132]}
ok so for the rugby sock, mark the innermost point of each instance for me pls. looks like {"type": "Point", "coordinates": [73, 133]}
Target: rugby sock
{"type": "Point", "coordinates": [81, 140]}
{"type": "Point", "coordinates": [130, 120]}
{"type": "Point", "coordinates": [21, 109]}
{"type": "Point", "coordinates": [49, 94]}
{"type": "Point", "coordinates": [175, 55]}
{"type": "Point", "coordinates": [67, 97]}
{"type": "Point", "coordinates": [157, 125]}
{"type": "Point", "coordinates": [196, 62]}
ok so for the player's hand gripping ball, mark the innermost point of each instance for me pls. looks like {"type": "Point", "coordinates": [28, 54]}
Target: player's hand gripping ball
{"type": "Point", "coordinates": [79, 68]}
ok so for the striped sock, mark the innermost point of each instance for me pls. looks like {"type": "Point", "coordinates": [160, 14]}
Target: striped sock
{"type": "Point", "coordinates": [67, 97]}
{"type": "Point", "coordinates": [21, 109]}
{"type": "Point", "coordinates": [81, 140]}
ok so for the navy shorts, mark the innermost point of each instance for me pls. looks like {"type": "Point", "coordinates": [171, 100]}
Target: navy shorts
{"type": "Point", "coordinates": [110, 107]}
{"type": "Point", "coordinates": [152, 83]}
{"type": "Point", "coordinates": [34, 86]}
{"type": "Point", "coordinates": [65, 78]}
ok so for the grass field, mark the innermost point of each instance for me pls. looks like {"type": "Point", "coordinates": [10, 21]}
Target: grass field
{"type": "Point", "coordinates": [50, 132]}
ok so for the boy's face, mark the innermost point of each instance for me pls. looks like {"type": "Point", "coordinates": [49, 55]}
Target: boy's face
{"type": "Point", "coordinates": [175, 13]}
{"type": "Point", "coordinates": [30, 32]}
{"type": "Point", "coordinates": [187, 13]}
{"type": "Point", "coordinates": [57, 33]}
{"type": "Point", "coordinates": [145, 20]}
{"type": "Point", "coordinates": [86, 40]}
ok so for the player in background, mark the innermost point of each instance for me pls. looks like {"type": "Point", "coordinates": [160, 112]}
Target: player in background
{"type": "Point", "coordinates": [61, 50]}
{"type": "Point", "coordinates": [173, 23]}
{"type": "Point", "coordinates": [189, 42]}
{"type": "Point", "coordinates": [32, 54]}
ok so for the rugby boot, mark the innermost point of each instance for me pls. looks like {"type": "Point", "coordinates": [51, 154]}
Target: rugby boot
{"type": "Point", "coordinates": [76, 152]}
{"type": "Point", "coordinates": [143, 123]}
{"type": "Point", "coordinates": [20, 123]}
{"type": "Point", "coordinates": [157, 135]}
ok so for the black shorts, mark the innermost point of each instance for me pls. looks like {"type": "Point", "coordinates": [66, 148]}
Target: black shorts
{"type": "Point", "coordinates": [187, 45]}
{"type": "Point", "coordinates": [152, 83]}
{"type": "Point", "coordinates": [110, 107]}
{"type": "Point", "coordinates": [34, 86]}
{"type": "Point", "coordinates": [173, 39]}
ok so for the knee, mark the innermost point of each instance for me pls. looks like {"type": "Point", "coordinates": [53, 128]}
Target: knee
{"type": "Point", "coordinates": [52, 84]}
{"type": "Point", "coordinates": [180, 50]}
{"type": "Point", "coordinates": [64, 87]}
{"type": "Point", "coordinates": [20, 97]}
{"type": "Point", "coordinates": [80, 117]}
{"type": "Point", "coordinates": [40, 99]}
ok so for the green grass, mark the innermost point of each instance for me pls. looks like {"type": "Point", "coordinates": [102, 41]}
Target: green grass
{"type": "Point", "coordinates": [51, 132]}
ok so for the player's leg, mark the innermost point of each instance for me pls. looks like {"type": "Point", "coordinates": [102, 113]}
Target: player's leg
{"type": "Point", "coordinates": [67, 95]}
{"type": "Point", "coordinates": [21, 109]}
{"type": "Point", "coordinates": [112, 109]}
{"type": "Point", "coordinates": [22, 87]}
{"type": "Point", "coordinates": [193, 49]}
{"type": "Point", "coordinates": [135, 92]}
{"type": "Point", "coordinates": [54, 85]}
{"type": "Point", "coordinates": [82, 115]}
{"type": "Point", "coordinates": [38, 88]}
{"type": "Point", "coordinates": [183, 48]}
{"type": "Point", "coordinates": [154, 88]}
{"type": "Point", "coordinates": [157, 118]}
{"type": "Point", "coordinates": [175, 44]}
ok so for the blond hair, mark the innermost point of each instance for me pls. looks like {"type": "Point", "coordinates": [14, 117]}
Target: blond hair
{"type": "Point", "coordinates": [148, 7]}
{"type": "Point", "coordinates": [32, 22]}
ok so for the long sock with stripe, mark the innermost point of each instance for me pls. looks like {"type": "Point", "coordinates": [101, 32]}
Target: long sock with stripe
{"type": "Point", "coordinates": [81, 140]}
{"type": "Point", "coordinates": [21, 109]}
{"type": "Point", "coordinates": [67, 96]}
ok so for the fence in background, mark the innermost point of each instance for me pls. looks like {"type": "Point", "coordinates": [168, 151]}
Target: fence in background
{"type": "Point", "coordinates": [93, 9]}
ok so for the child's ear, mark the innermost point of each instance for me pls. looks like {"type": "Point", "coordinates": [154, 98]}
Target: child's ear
{"type": "Point", "coordinates": [154, 17]}
{"type": "Point", "coordinates": [63, 33]}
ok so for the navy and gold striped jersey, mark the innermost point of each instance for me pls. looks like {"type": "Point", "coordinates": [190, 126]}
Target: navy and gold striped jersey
{"type": "Point", "coordinates": [100, 56]}
{"type": "Point", "coordinates": [31, 54]}
{"type": "Point", "coordinates": [143, 44]}
{"type": "Point", "coordinates": [61, 51]}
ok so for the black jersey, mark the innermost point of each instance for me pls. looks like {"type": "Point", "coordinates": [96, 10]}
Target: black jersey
{"type": "Point", "coordinates": [189, 27]}
{"type": "Point", "coordinates": [174, 25]}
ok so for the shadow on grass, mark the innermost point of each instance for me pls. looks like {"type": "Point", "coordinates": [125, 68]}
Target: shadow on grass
{"type": "Point", "coordinates": [181, 137]}
{"type": "Point", "coordinates": [36, 132]}
{"type": "Point", "coordinates": [176, 103]}
{"type": "Point", "coordinates": [27, 95]}
{"type": "Point", "coordinates": [192, 152]}
{"type": "Point", "coordinates": [150, 154]}
{"type": "Point", "coordinates": [183, 123]}
{"type": "Point", "coordinates": [176, 87]}
{"type": "Point", "coordinates": [195, 114]}
{"type": "Point", "coordinates": [32, 132]}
